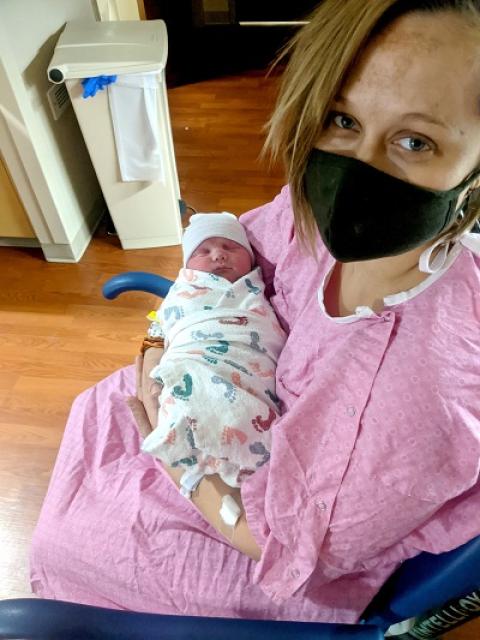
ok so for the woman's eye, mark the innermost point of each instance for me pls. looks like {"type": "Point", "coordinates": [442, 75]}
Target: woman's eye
{"type": "Point", "coordinates": [343, 121]}
{"type": "Point", "coordinates": [414, 144]}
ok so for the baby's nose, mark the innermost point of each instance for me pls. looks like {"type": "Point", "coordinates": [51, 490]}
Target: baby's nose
{"type": "Point", "coordinates": [218, 255]}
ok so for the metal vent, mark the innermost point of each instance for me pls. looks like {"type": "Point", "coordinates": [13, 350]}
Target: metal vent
{"type": "Point", "coordinates": [58, 99]}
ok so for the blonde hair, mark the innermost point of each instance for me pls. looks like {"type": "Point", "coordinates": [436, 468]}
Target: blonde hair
{"type": "Point", "coordinates": [321, 56]}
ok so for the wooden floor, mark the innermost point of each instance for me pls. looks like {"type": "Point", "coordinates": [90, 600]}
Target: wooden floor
{"type": "Point", "coordinates": [59, 336]}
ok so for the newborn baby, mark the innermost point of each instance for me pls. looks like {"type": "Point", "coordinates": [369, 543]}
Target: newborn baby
{"type": "Point", "coordinates": [222, 342]}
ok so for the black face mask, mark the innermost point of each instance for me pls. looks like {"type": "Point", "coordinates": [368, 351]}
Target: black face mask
{"type": "Point", "coordinates": [363, 213]}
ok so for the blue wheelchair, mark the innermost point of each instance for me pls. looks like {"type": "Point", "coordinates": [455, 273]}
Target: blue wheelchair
{"type": "Point", "coordinates": [434, 589]}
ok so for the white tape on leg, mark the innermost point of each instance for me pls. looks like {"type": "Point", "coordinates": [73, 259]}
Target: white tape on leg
{"type": "Point", "coordinates": [189, 482]}
{"type": "Point", "coordinates": [230, 511]}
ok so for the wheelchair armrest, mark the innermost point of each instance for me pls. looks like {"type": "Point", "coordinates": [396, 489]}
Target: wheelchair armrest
{"type": "Point", "coordinates": [426, 582]}
{"type": "Point", "coordinates": [31, 619]}
{"type": "Point", "coordinates": [136, 281]}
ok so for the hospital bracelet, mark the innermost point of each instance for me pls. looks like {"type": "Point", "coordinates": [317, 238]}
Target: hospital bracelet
{"type": "Point", "coordinates": [158, 343]}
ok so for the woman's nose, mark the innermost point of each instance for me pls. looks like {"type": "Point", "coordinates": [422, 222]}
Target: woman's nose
{"type": "Point", "coordinates": [366, 148]}
{"type": "Point", "coordinates": [371, 151]}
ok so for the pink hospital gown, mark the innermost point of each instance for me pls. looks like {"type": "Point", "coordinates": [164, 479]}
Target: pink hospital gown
{"type": "Point", "coordinates": [375, 459]}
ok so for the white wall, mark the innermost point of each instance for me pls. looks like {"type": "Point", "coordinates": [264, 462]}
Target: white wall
{"type": "Point", "coordinates": [47, 159]}
{"type": "Point", "coordinates": [118, 10]}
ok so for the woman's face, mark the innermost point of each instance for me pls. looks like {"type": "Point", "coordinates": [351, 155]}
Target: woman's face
{"type": "Point", "coordinates": [411, 106]}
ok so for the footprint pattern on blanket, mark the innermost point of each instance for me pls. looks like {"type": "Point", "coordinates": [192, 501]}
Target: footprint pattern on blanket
{"type": "Point", "coordinates": [176, 310]}
{"type": "Point", "coordinates": [198, 352]}
{"type": "Point", "coordinates": [220, 348]}
{"type": "Point", "coordinates": [169, 400]}
{"type": "Point", "coordinates": [268, 373]}
{"type": "Point", "coordinates": [230, 391]}
{"type": "Point", "coordinates": [230, 433]}
{"type": "Point", "coordinates": [188, 462]}
{"type": "Point", "coordinates": [278, 330]}
{"type": "Point", "coordinates": [260, 311]}
{"type": "Point", "coordinates": [251, 287]}
{"type": "Point", "coordinates": [200, 291]}
{"type": "Point", "coordinates": [258, 449]}
{"type": "Point", "coordinates": [255, 339]}
{"type": "Point", "coordinates": [237, 381]}
{"type": "Point", "coordinates": [201, 335]}
{"type": "Point", "coordinates": [172, 436]}
{"type": "Point", "coordinates": [184, 393]}
{"type": "Point", "coordinates": [190, 437]}
{"type": "Point", "coordinates": [264, 425]}
{"type": "Point", "coordinates": [274, 398]}
{"type": "Point", "coordinates": [241, 321]}
{"type": "Point", "coordinates": [238, 366]}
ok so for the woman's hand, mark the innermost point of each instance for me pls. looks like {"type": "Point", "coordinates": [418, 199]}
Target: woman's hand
{"type": "Point", "coordinates": [144, 405]}
{"type": "Point", "coordinates": [148, 390]}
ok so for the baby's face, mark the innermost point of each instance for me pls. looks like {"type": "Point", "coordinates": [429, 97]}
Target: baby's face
{"type": "Point", "coordinates": [222, 257]}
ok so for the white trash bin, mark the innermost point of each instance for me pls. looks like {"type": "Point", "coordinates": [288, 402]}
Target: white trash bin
{"type": "Point", "coordinates": [127, 125]}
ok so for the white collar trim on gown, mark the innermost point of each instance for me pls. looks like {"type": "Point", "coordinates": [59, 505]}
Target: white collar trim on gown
{"type": "Point", "coordinates": [440, 264]}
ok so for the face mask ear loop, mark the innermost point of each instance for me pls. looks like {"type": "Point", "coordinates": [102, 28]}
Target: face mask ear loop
{"type": "Point", "coordinates": [427, 265]}
{"type": "Point", "coordinates": [472, 177]}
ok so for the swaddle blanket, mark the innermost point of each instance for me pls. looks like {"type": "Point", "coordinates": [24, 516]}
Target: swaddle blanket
{"type": "Point", "coordinates": [218, 400]}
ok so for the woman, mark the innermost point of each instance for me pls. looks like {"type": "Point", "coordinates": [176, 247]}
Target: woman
{"type": "Point", "coordinates": [374, 276]}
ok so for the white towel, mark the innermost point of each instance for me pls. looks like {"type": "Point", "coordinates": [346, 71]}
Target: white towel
{"type": "Point", "coordinates": [133, 102]}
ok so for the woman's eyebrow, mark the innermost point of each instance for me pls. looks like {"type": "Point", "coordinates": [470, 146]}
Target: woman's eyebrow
{"type": "Point", "coordinates": [426, 118]}
{"type": "Point", "coordinates": [341, 99]}
{"type": "Point", "coordinates": [414, 114]}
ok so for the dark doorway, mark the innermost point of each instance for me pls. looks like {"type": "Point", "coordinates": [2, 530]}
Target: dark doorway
{"type": "Point", "coordinates": [209, 38]}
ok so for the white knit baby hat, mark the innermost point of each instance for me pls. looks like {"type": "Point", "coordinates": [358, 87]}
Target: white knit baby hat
{"type": "Point", "coordinates": [212, 225]}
